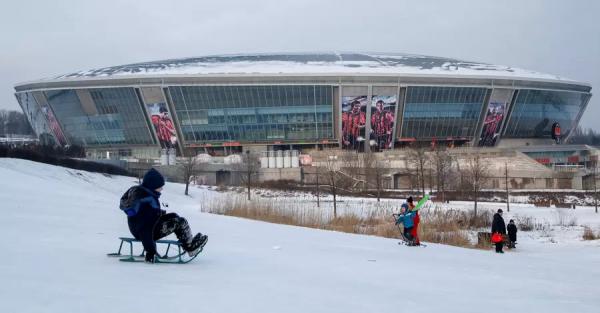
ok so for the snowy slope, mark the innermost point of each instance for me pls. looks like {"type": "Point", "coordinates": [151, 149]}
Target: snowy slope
{"type": "Point", "coordinates": [57, 224]}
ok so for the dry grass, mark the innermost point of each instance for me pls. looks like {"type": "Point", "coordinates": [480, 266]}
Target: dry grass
{"type": "Point", "coordinates": [450, 227]}
{"type": "Point", "coordinates": [588, 234]}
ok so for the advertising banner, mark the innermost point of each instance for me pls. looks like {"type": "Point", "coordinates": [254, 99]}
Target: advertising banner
{"type": "Point", "coordinates": [354, 118]}
{"type": "Point", "coordinates": [37, 118]}
{"type": "Point", "coordinates": [494, 117]}
{"type": "Point", "coordinates": [163, 125]}
{"type": "Point", "coordinates": [53, 125]}
{"type": "Point", "coordinates": [383, 110]}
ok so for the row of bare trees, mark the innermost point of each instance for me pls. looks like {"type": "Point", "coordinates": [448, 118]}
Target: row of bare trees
{"type": "Point", "coordinates": [353, 172]}
{"type": "Point", "coordinates": [350, 172]}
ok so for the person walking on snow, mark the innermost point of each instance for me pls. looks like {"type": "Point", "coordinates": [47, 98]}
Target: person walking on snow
{"type": "Point", "coordinates": [148, 222]}
{"type": "Point", "coordinates": [512, 234]}
{"type": "Point", "coordinates": [499, 227]}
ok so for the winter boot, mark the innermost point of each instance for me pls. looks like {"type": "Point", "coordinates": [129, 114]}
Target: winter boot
{"type": "Point", "coordinates": [196, 245]}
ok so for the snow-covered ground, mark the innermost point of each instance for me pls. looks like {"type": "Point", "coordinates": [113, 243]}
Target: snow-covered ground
{"type": "Point", "coordinates": [58, 224]}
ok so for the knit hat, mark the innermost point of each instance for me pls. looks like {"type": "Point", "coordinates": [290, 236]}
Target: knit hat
{"type": "Point", "coordinates": [499, 210]}
{"type": "Point", "coordinates": [153, 179]}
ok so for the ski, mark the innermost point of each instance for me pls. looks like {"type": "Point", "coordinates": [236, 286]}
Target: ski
{"type": "Point", "coordinates": [404, 243]}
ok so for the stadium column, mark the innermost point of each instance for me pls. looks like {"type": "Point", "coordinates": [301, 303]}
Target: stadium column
{"type": "Point", "coordinates": [400, 112]}
{"type": "Point", "coordinates": [398, 119]}
{"type": "Point", "coordinates": [479, 127]}
{"type": "Point", "coordinates": [508, 116]}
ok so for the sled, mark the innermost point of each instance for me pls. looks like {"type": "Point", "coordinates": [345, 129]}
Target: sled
{"type": "Point", "coordinates": [181, 257]}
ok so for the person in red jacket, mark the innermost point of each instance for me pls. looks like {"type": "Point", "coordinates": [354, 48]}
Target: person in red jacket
{"type": "Point", "coordinates": [415, 230]}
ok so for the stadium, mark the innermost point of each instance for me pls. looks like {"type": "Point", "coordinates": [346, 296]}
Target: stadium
{"type": "Point", "coordinates": [268, 102]}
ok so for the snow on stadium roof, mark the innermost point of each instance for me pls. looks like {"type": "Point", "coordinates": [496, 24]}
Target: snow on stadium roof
{"type": "Point", "coordinates": [313, 63]}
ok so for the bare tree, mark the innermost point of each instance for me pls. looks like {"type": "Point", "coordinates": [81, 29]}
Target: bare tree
{"type": "Point", "coordinates": [506, 186]}
{"type": "Point", "coordinates": [248, 170]}
{"type": "Point", "coordinates": [189, 168]}
{"type": "Point", "coordinates": [442, 162]}
{"type": "Point", "coordinates": [331, 171]}
{"type": "Point", "coordinates": [317, 189]}
{"type": "Point", "coordinates": [477, 172]}
{"type": "Point", "coordinates": [596, 188]}
{"type": "Point", "coordinates": [418, 160]}
{"type": "Point", "coordinates": [375, 169]}
{"type": "Point", "coordinates": [351, 171]}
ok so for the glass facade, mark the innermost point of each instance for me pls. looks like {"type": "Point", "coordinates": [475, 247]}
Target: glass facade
{"type": "Point", "coordinates": [442, 112]}
{"type": "Point", "coordinates": [254, 113]}
{"type": "Point", "coordinates": [114, 117]}
{"type": "Point", "coordinates": [535, 111]}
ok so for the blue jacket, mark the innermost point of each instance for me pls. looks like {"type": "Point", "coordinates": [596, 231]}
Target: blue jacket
{"type": "Point", "coordinates": [143, 211]}
{"type": "Point", "coordinates": [406, 219]}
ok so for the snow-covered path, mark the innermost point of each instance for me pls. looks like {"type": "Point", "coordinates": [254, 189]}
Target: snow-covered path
{"type": "Point", "coordinates": [57, 225]}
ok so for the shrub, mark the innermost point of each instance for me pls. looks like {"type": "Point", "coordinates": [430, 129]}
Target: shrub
{"type": "Point", "coordinates": [588, 234]}
{"type": "Point", "coordinates": [564, 218]}
{"type": "Point", "coordinates": [524, 223]}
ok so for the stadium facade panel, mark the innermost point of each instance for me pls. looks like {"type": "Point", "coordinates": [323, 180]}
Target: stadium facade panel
{"type": "Point", "coordinates": [353, 101]}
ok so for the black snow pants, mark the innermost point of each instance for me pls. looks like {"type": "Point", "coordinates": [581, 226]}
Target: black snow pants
{"type": "Point", "coordinates": [172, 223]}
{"type": "Point", "coordinates": [499, 246]}
{"type": "Point", "coordinates": [407, 235]}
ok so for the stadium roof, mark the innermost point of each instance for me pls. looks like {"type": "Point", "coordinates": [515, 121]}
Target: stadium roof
{"type": "Point", "coordinates": [313, 64]}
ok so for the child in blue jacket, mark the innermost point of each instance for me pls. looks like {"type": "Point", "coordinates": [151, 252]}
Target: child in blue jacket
{"type": "Point", "coordinates": [406, 218]}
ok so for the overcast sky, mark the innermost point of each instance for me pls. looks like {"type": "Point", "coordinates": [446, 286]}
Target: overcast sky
{"type": "Point", "coordinates": [47, 38]}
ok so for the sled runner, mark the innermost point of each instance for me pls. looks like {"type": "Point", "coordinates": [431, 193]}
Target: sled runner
{"type": "Point", "coordinates": [180, 257]}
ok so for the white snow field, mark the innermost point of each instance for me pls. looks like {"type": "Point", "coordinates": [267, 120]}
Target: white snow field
{"type": "Point", "coordinates": [57, 225]}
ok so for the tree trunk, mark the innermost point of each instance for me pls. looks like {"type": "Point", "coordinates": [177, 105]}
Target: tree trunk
{"type": "Point", "coordinates": [378, 189]}
{"type": "Point", "coordinates": [248, 185]}
{"type": "Point", "coordinates": [318, 194]}
{"type": "Point", "coordinates": [333, 191]}
{"type": "Point", "coordinates": [506, 185]}
{"type": "Point", "coordinates": [476, 196]}
{"type": "Point", "coordinates": [595, 192]}
{"type": "Point", "coordinates": [187, 184]}
{"type": "Point", "coordinates": [422, 180]}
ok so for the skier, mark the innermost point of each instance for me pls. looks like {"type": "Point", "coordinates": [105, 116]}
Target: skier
{"type": "Point", "coordinates": [512, 234]}
{"type": "Point", "coordinates": [499, 227]}
{"type": "Point", "coordinates": [148, 223]}
{"type": "Point", "coordinates": [406, 217]}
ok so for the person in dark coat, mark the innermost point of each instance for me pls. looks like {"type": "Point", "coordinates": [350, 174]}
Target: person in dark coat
{"type": "Point", "coordinates": [512, 234]}
{"type": "Point", "coordinates": [498, 226]}
{"type": "Point", "coordinates": [148, 222]}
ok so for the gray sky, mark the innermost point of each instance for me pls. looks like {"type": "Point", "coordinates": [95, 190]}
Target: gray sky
{"type": "Point", "coordinates": [47, 38]}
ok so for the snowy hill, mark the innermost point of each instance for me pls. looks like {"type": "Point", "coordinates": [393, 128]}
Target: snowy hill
{"type": "Point", "coordinates": [57, 225]}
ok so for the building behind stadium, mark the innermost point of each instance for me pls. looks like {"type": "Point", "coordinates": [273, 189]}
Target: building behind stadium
{"type": "Point", "coordinates": [289, 107]}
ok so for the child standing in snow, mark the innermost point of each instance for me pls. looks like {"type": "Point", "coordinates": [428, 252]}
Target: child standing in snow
{"type": "Point", "coordinates": [148, 223]}
{"type": "Point", "coordinates": [406, 218]}
{"type": "Point", "coordinates": [512, 234]}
